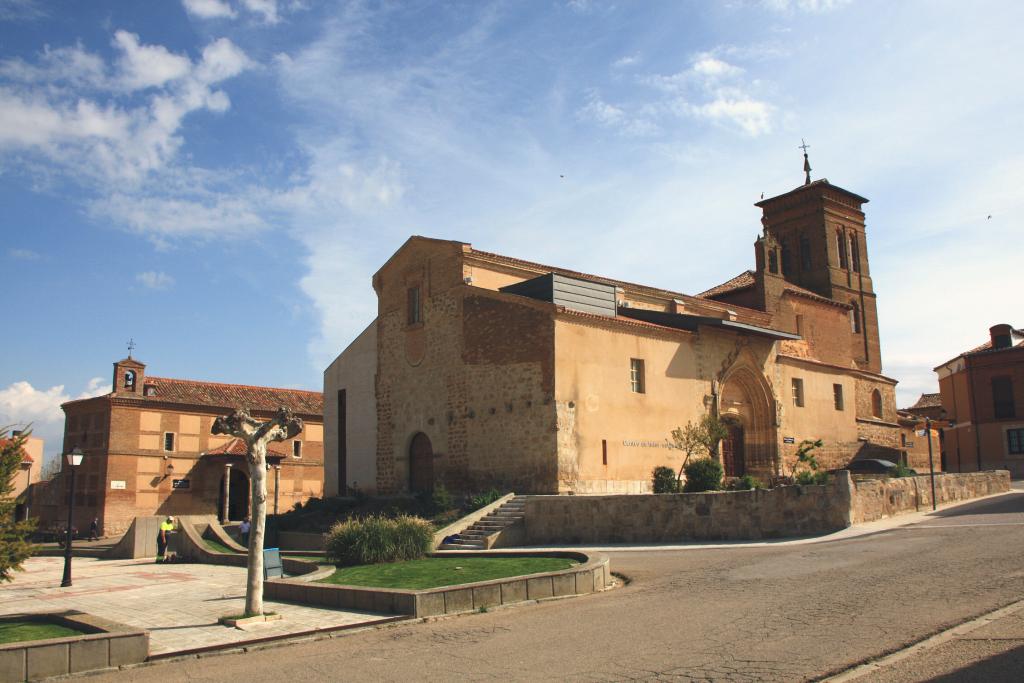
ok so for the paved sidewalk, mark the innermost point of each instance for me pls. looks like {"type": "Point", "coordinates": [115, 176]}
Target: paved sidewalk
{"type": "Point", "coordinates": [177, 603]}
{"type": "Point", "coordinates": [987, 649]}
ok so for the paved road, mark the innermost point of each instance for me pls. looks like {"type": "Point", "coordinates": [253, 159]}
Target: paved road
{"type": "Point", "coordinates": [740, 614]}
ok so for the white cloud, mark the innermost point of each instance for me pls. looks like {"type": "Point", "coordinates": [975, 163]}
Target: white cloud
{"type": "Point", "coordinates": [155, 280]}
{"type": "Point", "coordinates": [23, 254]}
{"type": "Point", "coordinates": [208, 9]}
{"type": "Point", "coordinates": [21, 10]}
{"type": "Point", "coordinates": [812, 6]}
{"type": "Point", "coordinates": [712, 67]}
{"type": "Point", "coordinates": [627, 61]}
{"type": "Point", "coordinates": [21, 405]}
{"type": "Point", "coordinates": [164, 219]}
{"type": "Point", "coordinates": [111, 137]}
{"type": "Point", "coordinates": [753, 117]}
{"type": "Point", "coordinates": [612, 116]}
{"type": "Point", "coordinates": [265, 8]}
{"type": "Point", "coordinates": [148, 66]}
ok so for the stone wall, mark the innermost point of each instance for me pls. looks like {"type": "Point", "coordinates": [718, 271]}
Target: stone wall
{"type": "Point", "coordinates": [879, 498]}
{"type": "Point", "coordinates": [719, 516]}
{"type": "Point", "coordinates": [787, 511]}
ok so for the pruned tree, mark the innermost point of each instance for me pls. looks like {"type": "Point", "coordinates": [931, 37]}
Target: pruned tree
{"type": "Point", "coordinates": [14, 545]}
{"type": "Point", "coordinates": [701, 437]}
{"type": "Point", "coordinates": [257, 434]}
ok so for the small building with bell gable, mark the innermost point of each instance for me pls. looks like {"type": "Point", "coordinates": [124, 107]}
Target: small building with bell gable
{"type": "Point", "coordinates": [149, 451]}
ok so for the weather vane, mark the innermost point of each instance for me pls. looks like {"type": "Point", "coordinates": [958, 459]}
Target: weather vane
{"type": "Point", "coordinates": [131, 346]}
{"type": "Point", "coordinates": [807, 163]}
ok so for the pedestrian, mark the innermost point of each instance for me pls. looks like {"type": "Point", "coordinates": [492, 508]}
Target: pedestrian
{"type": "Point", "coordinates": [94, 529]}
{"type": "Point", "coordinates": [166, 527]}
{"type": "Point", "coordinates": [244, 528]}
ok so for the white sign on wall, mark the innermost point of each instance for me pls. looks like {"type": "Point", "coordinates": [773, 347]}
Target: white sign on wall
{"type": "Point", "coordinates": [116, 484]}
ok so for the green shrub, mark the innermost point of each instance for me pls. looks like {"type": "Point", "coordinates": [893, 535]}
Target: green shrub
{"type": "Point", "coordinates": [748, 482]}
{"type": "Point", "coordinates": [664, 480]}
{"type": "Point", "coordinates": [901, 470]}
{"type": "Point", "coordinates": [483, 499]}
{"type": "Point", "coordinates": [703, 474]}
{"type": "Point", "coordinates": [808, 478]}
{"type": "Point", "coordinates": [441, 500]}
{"type": "Point", "coordinates": [377, 539]}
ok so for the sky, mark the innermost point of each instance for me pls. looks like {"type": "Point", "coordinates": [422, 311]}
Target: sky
{"type": "Point", "coordinates": [219, 179]}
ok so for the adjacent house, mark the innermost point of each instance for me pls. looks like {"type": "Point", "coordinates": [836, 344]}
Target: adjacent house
{"type": "Point", "coordinates": [983, 398]}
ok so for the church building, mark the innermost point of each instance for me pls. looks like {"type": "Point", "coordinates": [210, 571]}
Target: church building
{"type": "Point", "coordinates": [149, 451]}
{"type": "Point", "coordinates": [485, 370]}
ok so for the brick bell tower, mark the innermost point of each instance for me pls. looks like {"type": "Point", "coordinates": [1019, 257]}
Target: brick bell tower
{"type": "Point", "coordinates": [823, 247]}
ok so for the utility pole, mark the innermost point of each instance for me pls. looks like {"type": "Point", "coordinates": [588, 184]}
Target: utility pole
{"type": "Point", "coordinates": [931, 459]}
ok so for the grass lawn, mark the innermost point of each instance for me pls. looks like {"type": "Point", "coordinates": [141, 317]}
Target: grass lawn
{"type": "Point", "coordinates": [16, 631]}
{"type": "Point", "coordinates": [219, 547]}
{"type": "Point", "coordinates": [432, 572]}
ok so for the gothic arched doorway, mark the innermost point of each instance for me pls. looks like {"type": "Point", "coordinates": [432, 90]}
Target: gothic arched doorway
{"type": "Point", "coordinates": [732, 450]}
{"type": "Point", "coordinates": [747, 407]}
{"type": "Point", "coordinates": [238, 496]}
{"type": "Point", "coordinates": [421, 464]}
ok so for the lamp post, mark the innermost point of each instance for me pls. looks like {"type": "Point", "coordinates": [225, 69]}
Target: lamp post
{"type": "Point", "coordinates": [74, 459]}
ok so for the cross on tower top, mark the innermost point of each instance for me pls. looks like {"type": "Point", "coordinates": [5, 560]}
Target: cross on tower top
{"type": "Point", "coordinates": [807, 163]}
{"type": "Point", "coordinates": [131, 346]}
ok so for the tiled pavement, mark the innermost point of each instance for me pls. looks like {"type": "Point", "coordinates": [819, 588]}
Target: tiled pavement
{"type": "Point", "coordinates": [177, 603]}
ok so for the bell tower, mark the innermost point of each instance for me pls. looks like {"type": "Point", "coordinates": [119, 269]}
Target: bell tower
{"type": "Point", "coordinates": [129, 374]}
{"type": "Point", "coordinates": [823, 248]}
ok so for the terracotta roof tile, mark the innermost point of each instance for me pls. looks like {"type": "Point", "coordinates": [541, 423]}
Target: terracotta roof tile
{"type": "Point", "coordinates": [237, 447]}
{"type": "Point", "coordinates": [230, 396]}
{"type": "Point", "coordinates": [741, 281]}
{"type": "Point", "coordinates": [928, 401]}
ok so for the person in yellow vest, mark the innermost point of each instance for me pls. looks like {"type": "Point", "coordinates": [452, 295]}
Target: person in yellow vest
{"type": "Point", "coordinates": [166, 527]}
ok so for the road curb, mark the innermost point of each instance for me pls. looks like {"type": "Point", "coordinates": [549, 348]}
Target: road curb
{"type": "Point", "coordinates": [928, 643]}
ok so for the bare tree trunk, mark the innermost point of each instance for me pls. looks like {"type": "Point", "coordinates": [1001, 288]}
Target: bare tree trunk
{"type": "Point", "coordinates": [258, 513]}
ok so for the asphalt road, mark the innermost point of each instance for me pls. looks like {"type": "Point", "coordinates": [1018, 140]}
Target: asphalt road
{"type": "Point", "coordinates": [737, 614]}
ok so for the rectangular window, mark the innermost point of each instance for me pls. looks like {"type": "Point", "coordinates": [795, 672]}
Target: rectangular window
{"type": "Point", "coordinates": [798, 392]}
{"type": "Point", "coordinates": [415, 307]}
{"type": "Point", "coordinates": [800, 325]}
{"type": "Point", "coordinates": [168, 441]}
{"type": "Point", "coordinates": [296, 449]}
{"type": "Point", "coordinates": [837, 395]}
{"type": "Point", "coordinates": [1002, 397]}
{"type": "Point", "coordinates": [841, 247]}
{"type": "Point", "coordinates": [1015, 441]}
{"type": "Point", "coordinates": [805, 253]}
{"type": "Point", "coordinates": [636, 375]}
{"type": "Point", "coordinates": [604, 451]}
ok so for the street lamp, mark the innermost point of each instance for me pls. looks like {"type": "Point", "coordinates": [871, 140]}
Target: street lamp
{"type": "Point", "coordinates": [74, 459]}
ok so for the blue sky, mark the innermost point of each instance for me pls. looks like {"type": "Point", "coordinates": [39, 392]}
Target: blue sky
{"type": "Point", "coordinates": [219, 179]}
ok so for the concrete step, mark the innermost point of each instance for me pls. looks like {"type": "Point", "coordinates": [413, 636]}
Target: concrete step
{"type": "Point", "coordinates": [462, 546]}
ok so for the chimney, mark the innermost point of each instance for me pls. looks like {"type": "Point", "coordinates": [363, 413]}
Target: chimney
{"type": "Point", "coordinates": [1001, 336]}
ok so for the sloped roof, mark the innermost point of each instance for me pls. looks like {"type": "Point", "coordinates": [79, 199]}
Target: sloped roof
{"type": "Point", "coordinates": [928, 401]}
{"type": "Point", "coordinates": [742, 281]}
{"type": "Point", "coordinates": [237, 447]}
{"type": "Point", "coordinates": [987, 346]}
{"type": "Point", "coordinates": [218, 395]}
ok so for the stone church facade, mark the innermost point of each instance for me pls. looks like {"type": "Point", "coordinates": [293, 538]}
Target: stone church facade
{"type": "Point", "coordinates": [484, 370]}
{"type": "Point", "coordinates": [149, 451]}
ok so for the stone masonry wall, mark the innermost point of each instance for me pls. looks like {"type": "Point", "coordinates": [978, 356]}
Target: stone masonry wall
{"type": "Point", "coordinates": [719, 516]}
{"type": "Point", "coordinates": [879, 498]}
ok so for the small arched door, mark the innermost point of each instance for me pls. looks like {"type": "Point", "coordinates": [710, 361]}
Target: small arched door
{"type": "Point", "coordinates": [421, 464]}
{"type": "Point", "coordinates": [732, 450]}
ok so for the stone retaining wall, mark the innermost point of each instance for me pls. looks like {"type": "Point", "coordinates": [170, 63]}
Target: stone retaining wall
{"type": "Point", "coordinates": [105, 644]}
{"type": "Point", "coordinates": [713, 516]}
{"type": "Point", "coordinates": [787, 511]}
{"type": "Point", "coordinates": [592, 574]}
{"type": "Point", "coordinates": [879, 498]}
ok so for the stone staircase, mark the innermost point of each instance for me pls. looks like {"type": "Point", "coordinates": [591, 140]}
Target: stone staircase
{"type": "Point", "coordinates": [475, 536]}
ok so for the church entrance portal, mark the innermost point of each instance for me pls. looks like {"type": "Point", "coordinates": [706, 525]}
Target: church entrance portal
{"type": "Point", "coordinates": [421, 464]}
{"type": "Point", "coordinates": [732, 450]}
{"type": "Point", "coordinates": [238, 496]}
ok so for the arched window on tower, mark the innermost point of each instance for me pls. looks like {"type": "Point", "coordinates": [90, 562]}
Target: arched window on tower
{"type": "Point", "coordinates": [876, 403]}
{"type": "Point", "coordinates": [129, 380]}
{"type": "Point", "coordinates": [855, 317]}
{"type": "Point", "coordinates": [773, 261]}
{"type": "Point", "coordinates": [841, 248]}
{"type": "Point", "coordinates": [855, 252]}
